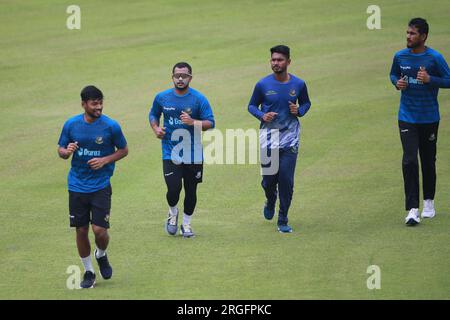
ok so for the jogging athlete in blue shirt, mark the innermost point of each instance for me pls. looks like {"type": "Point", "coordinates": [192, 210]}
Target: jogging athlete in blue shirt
{"type": "Point", "coordinates": [418, 72]}
{"type": "Point", "coordinates": [95, 143]}
{"type": "Point", "coordinates": [277, 101]}
{"type": "Point", "coordinates": [186, 113]}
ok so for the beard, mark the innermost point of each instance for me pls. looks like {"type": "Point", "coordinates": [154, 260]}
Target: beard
{"type": "Point", "coordinates": [181, 85]}
{"type": "Point", "coordinates": [278, 70]}
{"type": "Point", "coordinates": [94, 113]}
{"type": "Point", "coordinates": [412, 45]}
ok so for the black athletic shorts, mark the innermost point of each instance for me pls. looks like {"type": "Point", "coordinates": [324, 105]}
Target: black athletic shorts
{"type": "Point", "coordinates": [190, 172]}
{"type": "Point", "coordinates": [94, 208]}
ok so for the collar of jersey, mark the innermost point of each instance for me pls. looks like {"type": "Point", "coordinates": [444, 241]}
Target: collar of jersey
{"type": "Point", "coordinates": [179, 95]}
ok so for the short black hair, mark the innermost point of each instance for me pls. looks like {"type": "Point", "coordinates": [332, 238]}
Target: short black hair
{"type": "Point", "coordinates": [420, 24]}
{"type": "Point", "coordinates": [281, 49]}
{"type": "Point", "coordinates": [182, 65]}
{"type": "Point", "coordinates": [91, 93]}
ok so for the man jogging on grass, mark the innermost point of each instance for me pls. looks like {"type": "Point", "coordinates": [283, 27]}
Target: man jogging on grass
{"type": "Point", "coordinates": [418, 72]}
{"type": "Point", "coordinates": [95, 142]}
{"type": "Point", "coordinates": [186, 113]}
{"type": "Point", "coordinates": [278, 101]}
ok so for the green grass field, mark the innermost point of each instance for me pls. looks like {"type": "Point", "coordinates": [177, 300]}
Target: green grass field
{"type": "Point", "coordinates": [348, 206]}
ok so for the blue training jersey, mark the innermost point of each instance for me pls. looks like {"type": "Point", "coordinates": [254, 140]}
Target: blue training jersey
{"type": "Point", "coordinates": [171, 104]}
{"type": "Point", "coordinates": [95, 140]}
{"type": "Point", "coordinates": [418, 102]}
{"type": "Point", "coordinates": [274, 96]}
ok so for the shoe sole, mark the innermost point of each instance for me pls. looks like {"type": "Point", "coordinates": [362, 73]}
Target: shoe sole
{"type": "Point", "coordinates": [412, 222]}
{"type": "Point", "coordinates": [428, 217]}
{"type": "Point", "coordinates": [184, 236]}
{"type": "Point", "coordinates": [91, 287]}
{"type": "Point", "coordinates": [290, 231]}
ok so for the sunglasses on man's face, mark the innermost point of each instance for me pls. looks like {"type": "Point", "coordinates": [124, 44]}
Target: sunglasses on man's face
{"type": "Point", "coordinates": [183, 76]}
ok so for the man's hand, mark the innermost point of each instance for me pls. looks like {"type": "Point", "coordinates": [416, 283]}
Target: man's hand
{"type": "Point", "coordinates": [423, 75]}
{"type": "Point", "coordinates": [294, 108]}
{"type": "Point", "coordinates": [71, 148]}
{"type": "Point", "coordinates": [97, 163]}
{"type": "Point", "coordinates": [269, 116]}
{"type": "Point", "coordinates": [160, 132]}
{"type": "Point", "coordinates": [186, 119]}
{"type": "Point", "coordinates": [65, 153]}
{"type": "Point", "coordinates": [402, 84]}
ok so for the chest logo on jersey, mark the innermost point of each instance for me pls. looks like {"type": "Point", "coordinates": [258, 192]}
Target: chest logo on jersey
{"type": "Point", "coordinates": [405, 67]}
{"type": "Point", "coordinates": [293, 93]}
{"type": "Point", "coordinates": [169, 108]}
{"type": "Point", "coordinates": [99, 140]}
{"type": "Point", "coordinates": [271, 92]}
{"type": "Point", "coordinates": [188, 110]}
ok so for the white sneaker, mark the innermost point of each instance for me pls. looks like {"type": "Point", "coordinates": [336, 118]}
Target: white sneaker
{"type": "Point", "coordinates": [413, 217]}
{"type": "Point", "coordinates": [172, 223]}
{"type": "Point", "coordinates": [428, 209]}
{"type": "Point", "coordinates": [186, 231]}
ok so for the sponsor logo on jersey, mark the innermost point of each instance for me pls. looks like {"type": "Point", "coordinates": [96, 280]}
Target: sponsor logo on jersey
{"type": "Point", "coordinates": [99, 140]}
{"type": "Point", "coordinates": [91, 153]}
{"type": "Point", "coordinates": [175, 121]}
{"type": "Point", "coordinates": [412, 80]}
{"type": "Point", "coordinates": [169, 108]}
{"type": "Point", "coordinates": [270, 92]}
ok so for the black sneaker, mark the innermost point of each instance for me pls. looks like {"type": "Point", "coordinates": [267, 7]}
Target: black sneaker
{"type": "Point", "coordinates": [105, 268]}
{"type": "Point", "coordinates": [88, 280]}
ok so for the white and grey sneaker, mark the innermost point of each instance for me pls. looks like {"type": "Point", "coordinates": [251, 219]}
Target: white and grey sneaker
{"type": "Point", "coordinates": [172, 224]}
{"type": "Point", "coordinates": [413, 217]}
{"type": "Point", "coordinates": [428, 209]}
{"type": "Point", "coordinates": [186, 231]}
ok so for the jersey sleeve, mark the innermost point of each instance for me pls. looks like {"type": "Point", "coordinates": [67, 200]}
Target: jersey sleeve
{"type": "Point", "coordinates": [206, 111]}
{"type": "Point", "coordinates": [395, 71]}
{"type": "Point", "coordinates": [304, 102]}
{"type": "Point", "coordinates": [64, 138]}
{"type": "Point", "coordinates": [117, 136]}
{"type": "Point", "coordinates": [155, 111]}
{"type": "Point", "coordinates": [444, 80]}
{"type": "Point", "coordinates": [255, 101]}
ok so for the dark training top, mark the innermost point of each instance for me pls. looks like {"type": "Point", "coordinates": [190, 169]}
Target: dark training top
{"type": "Point", "coordinates": [418, 102]}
